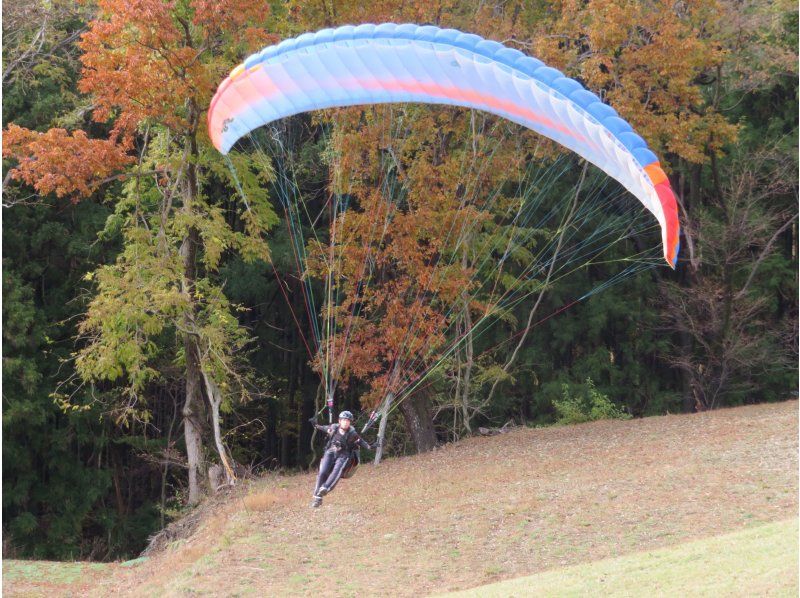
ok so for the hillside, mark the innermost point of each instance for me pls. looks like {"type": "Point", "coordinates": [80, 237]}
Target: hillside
{"type": "Point", "coordinates": [475, 512]}
{"type": "Point", "coordinates": [757, 561]}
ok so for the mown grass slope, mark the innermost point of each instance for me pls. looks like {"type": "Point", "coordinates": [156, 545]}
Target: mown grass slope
{"type": "Point", "coordinates": [481, 511]}
{"type": "Point", "coordinates": [757, 561]}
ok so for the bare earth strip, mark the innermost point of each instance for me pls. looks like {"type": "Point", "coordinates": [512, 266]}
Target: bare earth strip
{"type": "Point", "coordinates": [483, 510]}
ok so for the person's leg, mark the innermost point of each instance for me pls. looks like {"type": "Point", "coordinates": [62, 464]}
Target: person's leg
{"type": "Point", "coordinates": [336, 473]}
{"type": "Point", "coordinates": [325, 466]}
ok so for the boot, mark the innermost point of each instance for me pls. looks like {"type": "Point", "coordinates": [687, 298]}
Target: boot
{"type": "Point", "coordinates": [317, 501]}
{"type": "Point", "coordinates": [323, 491]}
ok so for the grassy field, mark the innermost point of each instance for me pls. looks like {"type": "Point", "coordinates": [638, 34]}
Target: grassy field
{"type": "Point", "coordinates": [562, 504]}
{"type": "Point", "coordinates": [761, 561]}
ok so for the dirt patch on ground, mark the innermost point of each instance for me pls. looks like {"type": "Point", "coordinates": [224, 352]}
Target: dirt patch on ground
{"type": "Point", "coordinates": [185, 527]}
{"type": "Point", "coordinates": [487, 509]}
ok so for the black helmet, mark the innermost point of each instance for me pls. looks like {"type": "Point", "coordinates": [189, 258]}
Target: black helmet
{"type": "Point", "coordinates": [346, 415]}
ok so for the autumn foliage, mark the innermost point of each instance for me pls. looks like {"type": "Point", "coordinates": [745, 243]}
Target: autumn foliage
{"type": "Point", "coordinates": [647, 60]}
{"type": "Point", "coordinates": [152, 59]}
{"type": "Point", "coordinates": [403, 259]}
{"type": "Point", "coordinates": [146, 336]}
{"type": "Point", "coordinates": [67, 164]}
{"type": "Point", "coordinates": [144, 62]}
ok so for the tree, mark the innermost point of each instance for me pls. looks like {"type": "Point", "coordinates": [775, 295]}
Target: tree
{"type": "Point", "coordinates": [390, 256]}
{"type": "Point", "coordinates": [61, 466]}
{"type": "Point", "coordinates": [730, 308]}
{"type": "Point", "coordinates": [151, 68]}
{"type": "Point", "coordinates": [723, 311]}
{"type": "Point", "coordinates": [39, 37]}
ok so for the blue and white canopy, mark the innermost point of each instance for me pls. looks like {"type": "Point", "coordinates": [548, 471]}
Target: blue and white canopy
{"type": "Point", "coordinates": [388, 63]}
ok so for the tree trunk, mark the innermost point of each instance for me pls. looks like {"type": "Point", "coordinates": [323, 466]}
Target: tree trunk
{"type": "Point", "coordinates": [215, 401]}
{"type": "Point", "coordinates": [382, 427]}
{"type": "Point", "coordinates": [417, 413]}
{"type": "Point", "coordinates": [194, 416]}
{"type": "Point", "coordinates": [468, 365]}
{"type": "Point", "coordinates": [468, 354]}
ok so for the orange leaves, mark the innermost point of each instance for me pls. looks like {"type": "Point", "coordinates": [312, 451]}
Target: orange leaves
{"type": "Point", "coordinates": [398, 249]}
{"type": "Point", "coordinates": [645, 59]}
{"type": "Point", "coordinates": [60, 162]}
{"type": "Point", "coordinates": [228, 15]}
{"type": "Point", "coordinates": [151, 60]}
{"type": "Point", "coordinates": [136, 61]}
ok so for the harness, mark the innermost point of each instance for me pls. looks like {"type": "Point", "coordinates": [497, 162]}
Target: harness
{"type": "Point", "coordinates": [347, 442]}
{"type": "Point", "coordinates": [344, 444]}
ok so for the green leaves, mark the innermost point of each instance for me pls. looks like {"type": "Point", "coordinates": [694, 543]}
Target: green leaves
{"type": "Point", "coordinates": [141, 301]}
{"type": "Point", "coordinates": [584, 403]}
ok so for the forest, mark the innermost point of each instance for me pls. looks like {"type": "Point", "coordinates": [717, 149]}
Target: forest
{"type": "Point", "coordinates": [173, 316]}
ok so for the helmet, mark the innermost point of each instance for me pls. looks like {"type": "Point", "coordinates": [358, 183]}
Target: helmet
{"type": "Point", "coordinates": [346, 415]}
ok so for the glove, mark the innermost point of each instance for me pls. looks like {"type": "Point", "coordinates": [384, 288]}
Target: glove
{"type": "Point", "coordinates": [375, 445]}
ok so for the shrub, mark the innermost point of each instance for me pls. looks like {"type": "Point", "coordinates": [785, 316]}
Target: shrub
{"type": "Point", "coordinates": [585, 404]}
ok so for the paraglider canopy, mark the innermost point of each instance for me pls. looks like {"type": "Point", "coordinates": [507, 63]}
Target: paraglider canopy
{"type": "Point", "coordinates": [389, 63]}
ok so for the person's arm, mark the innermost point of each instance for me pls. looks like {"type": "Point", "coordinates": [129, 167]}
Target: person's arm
{"type": "Point", "coordinates": [327, 428]}
{"type": "Point", "coordinates": [366, 445]}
